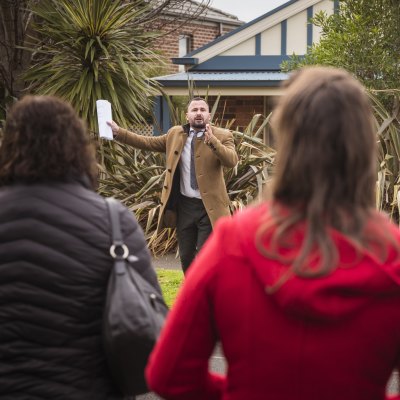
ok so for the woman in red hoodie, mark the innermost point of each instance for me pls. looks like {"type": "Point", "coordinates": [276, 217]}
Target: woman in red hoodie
{"type": "Point", "coordinates": [302, 290]}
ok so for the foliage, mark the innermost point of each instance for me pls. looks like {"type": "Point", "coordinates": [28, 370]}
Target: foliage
{"type": "Point", "coordinates": [92, 50]}
{"type": "Point", "coordinates": [170, 281]}
{"type": "Point", "coordinates": [136, 177]}
{"type": "Point", "coordinates": [73, 41]}
{"type": "Point", "coordinates": [363, 38]}
{"type": "Point", "coordinates": [14, 21]}
{"type": "Point", "coordinates": [245, 183]}
{"type": "Point", "coordinates": [388, 132]}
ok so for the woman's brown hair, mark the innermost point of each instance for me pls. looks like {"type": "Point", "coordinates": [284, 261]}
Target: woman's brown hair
{"type": "Point", "coordinates": [45, 140]}
{"type": "Point", "coordinates": [326, 165]}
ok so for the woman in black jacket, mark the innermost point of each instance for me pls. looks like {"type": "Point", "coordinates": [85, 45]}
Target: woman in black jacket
{"type": "Point", "coordinates": [54, 257]}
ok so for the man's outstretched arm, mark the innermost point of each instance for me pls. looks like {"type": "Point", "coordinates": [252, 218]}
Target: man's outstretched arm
{"type": "Point", "coordinates": [153, 143]}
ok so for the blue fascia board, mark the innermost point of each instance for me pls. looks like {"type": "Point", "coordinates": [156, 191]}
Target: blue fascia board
{"type": "Point", "coordinates": [310, 14]}
{"type": "Point", "coordinates": [166, 117]}
{"type": "Point", "coordinates": [258, 44]}
{"type": "Point", "coordinates": [157, 110]}
{"type": "Point", "coordinates": [240, 28]}
{"type": "Point", "coordinates": [283, 37]}
{"type": "Point", "coordinates": [336, 6]}
{"type": "Point", "coordinates": [242, 63]}
{"type": "Point", "coordinates": [185, 60]}
{"type": "Point", "coordinates": [216, 83]}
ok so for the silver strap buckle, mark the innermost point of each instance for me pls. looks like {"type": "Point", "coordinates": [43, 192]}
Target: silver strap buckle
{"type": "Point", "coordinates": [125, 251]}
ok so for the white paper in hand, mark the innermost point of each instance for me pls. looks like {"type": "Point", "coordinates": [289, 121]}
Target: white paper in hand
{"type": "Point", "coordinates": [104, 115]}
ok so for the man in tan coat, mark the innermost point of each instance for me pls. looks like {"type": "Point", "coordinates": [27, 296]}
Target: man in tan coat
{"type": "Point", "coordinates": [194, 195]}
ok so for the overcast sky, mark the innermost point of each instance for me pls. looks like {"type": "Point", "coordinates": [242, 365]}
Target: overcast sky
{"type": "Point", "coordinates": [246, 10]}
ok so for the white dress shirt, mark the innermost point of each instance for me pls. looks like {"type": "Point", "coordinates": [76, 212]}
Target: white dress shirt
{"type": "Point", "coordinates": [184, 165]}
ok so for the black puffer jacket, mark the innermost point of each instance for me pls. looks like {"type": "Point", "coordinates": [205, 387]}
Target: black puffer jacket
{"type": "Point", "coordinates": [54, 267]}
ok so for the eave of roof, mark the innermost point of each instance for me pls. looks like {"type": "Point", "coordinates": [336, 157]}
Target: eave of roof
{"type": "Point", "coordinates": [221, 79]}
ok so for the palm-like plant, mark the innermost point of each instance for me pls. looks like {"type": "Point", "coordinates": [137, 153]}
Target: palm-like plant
{"type": "Point", "coordinates": [136, 178]}
{"type": "Point", "coordinates": [92, 49]}
{"type": "Point", "coordinates": [388, 135]}
{"type": "Point", "coordinates": [246, 182]}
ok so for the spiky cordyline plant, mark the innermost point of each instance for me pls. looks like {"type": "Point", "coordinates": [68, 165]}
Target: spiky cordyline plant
{"type": "Point", "coordinates": [388, 136]}
{"type": "Point", "coordinates": [136, 178]}
{"type": "Point", "coordinates": [92, 49]}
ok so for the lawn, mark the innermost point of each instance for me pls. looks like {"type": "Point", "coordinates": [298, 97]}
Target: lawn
{"type": "Point", "coordinates": [170, 281]}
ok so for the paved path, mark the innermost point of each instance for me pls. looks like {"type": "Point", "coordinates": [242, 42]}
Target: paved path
{"type": "Point", "coordinates": [169, 261]}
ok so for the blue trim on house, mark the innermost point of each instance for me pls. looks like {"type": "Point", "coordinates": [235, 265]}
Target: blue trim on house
{"type": "Point", "coordinates": [237, 76]}
{"type": "Point", "coordinates": [185, 60]}
{"type": "Point", "coordinates": [166, 117]}
{"type": "Point", "coordinates": [157, 111]}
{"type": "Point", "coordinates": [258, 44]}
{"type": "Point", "coordinates": [241, 63]}
{"type": "Point", "coordinates": [283, 37]}
{"type": "Point", "coordinates": [336, 6]}
{"type": "Point", "coordinates": [162, 116]}
{"type": "Point", "coordinates": [310, 14]}
{"type": "Point", "coordinates": [216, 83]}
{"type": "Point", "coordinates": [240, 28]}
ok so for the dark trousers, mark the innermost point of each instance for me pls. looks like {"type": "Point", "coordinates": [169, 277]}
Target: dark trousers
{"type": "Point", "coordinates": [193, 228]}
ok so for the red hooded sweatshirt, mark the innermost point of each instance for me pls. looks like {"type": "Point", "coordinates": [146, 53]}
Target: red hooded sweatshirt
{"type": "Point", "coordinates": [330, 338]}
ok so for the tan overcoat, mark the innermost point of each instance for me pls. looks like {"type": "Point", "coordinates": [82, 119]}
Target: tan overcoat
{"type": "Point", "coordinates": [209, 162]}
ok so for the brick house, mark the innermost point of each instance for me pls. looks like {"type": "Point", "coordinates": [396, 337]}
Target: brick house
{"type": "Point", "coordinates": [189, 27]}
{"type": "Point", "coordinates": [243, 66]}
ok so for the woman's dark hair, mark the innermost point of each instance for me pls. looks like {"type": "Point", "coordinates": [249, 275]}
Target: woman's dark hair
{"type": "Point", "coordinates": [326, 165]}
{"type": "Point", "coordinates": [45, 140]}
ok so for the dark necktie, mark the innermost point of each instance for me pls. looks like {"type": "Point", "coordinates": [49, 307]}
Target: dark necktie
{"type": "Point", "coordinates": [193, 180]}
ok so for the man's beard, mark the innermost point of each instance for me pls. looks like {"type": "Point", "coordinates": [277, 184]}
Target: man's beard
{"type": "Point", "coordinates": [198, 125]}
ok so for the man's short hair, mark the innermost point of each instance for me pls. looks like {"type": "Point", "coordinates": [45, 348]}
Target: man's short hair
{"type": "Point", "coordinates": [197, 98]}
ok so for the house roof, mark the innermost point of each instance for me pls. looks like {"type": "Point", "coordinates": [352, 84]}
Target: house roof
{"type": "Point", "coordinates": [242, 78]}
{"type": "Point", "coordinates": [240, 28]}
{"type": "Point", "coordinates": [228, 83]}
{"type": "Point", "coordinates": [244, 60]}
{"type": "Point", "coordinates": [209, 14]}
{"type": "Point", "coordinates": [248, 30]}
{"type": "Point", "coordinates": [300, 35]}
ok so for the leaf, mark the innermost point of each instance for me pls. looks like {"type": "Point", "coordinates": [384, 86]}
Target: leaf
{"type": "Point", "coordinates": [101, 45]}
{"type": "Point", "coordinates": [136, 177]}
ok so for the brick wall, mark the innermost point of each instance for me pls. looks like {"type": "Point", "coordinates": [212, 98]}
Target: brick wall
{"type": "Point", "coordinates": [201, 34]}
{"type": "Point", "coordinates": [240, 108]}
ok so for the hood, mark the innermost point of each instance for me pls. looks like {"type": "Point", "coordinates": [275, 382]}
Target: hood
{"type": "Point", "coordinates": [360, 278]}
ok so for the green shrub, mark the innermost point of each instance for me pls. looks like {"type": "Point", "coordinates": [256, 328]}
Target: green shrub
{"type": "Point", "coordinates": [136, 178]}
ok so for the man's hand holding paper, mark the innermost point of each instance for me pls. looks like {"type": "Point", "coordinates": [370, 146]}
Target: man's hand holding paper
{"type": "Point", "coordinates": [104, 115]}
